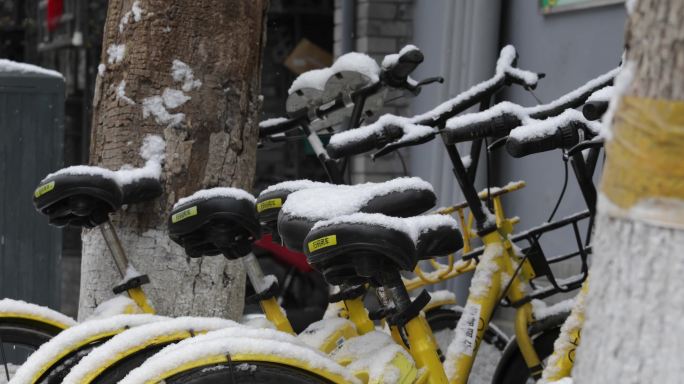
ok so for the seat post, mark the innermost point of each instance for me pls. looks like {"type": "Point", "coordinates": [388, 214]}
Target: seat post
{"type": "Point", "coordinates": [255, 273]}
{"type": "Point", "coordinates": [114, 245]}
{"type": "Point", "coordinates": [394, 286]}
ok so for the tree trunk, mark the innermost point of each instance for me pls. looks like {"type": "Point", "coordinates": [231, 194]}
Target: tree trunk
{"type": "Point", "coordinates": [189, 71]}
{"type": "Point", "coordinates": [634, 331]}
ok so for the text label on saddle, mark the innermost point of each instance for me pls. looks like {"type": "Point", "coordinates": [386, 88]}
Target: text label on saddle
{"type": "Point", "coordinates": [43, 189]}
{"type": "Point", "coordinates": [323, 242]}
{"type": "Point", "coordinates": [269, 204]}
{"type": "Point", "coordinates": [184, 214]}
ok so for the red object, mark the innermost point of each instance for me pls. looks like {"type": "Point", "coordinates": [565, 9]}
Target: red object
{"type": "Point", "coordinates": [296, 259]}
{"type": "Point", "coordinates": [55, 8]}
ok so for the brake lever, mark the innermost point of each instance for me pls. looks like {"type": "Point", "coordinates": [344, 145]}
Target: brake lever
{"type": "Point", "coordinates": [416, 88]}
{"type": "Point", "coordinates": [593, 143]}
{"type": "Point", "coordinates": [500, 142]}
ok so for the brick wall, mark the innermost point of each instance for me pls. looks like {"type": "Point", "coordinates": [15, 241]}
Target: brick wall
{"type": "Point", "coordinates": [381, 27]}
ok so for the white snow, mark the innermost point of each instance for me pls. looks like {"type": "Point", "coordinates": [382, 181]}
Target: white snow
{"type": "Point", "coordinates": [121, 93]}
{"type": "Point", "coordinates": [463, 342]}
{"type": "Point", "coordinates": [116, 53]}
{"type": "Point", "coordinates": [533, 129]}
{"type": "Point", "coordinates": [257, 320]}
{"type": "Point", "coordinates": [154, 106]}
{"type": "Point", "coordinates": [8, 306]}
{"type": "Point", "coordinates": [182, 73]}
{"type": "Point", "coordinates": [372, 352]}
{"type": "Point", "coordinates": [410, 130]}
{"type": "Point", "coordinates": [467, 161]}
{"type": "Point", "coordinates": [135, 11]}
{"type": "Point", "coordinates": [318, 332]}
{"type": "Point", "coordinates": [442, 295]}
{"type": "Point", "coordinates": [523, 113]}
{"type": "Point", "coordinates": [338, 200]}
{"type": "Point", "coordinates": [541, 310]}
{"type": "Point", "coordinates": [234, 193]}
{"type": "Point", "coordinates": [295, 185]}
{"type": "Point", "coordinates": [235, 341]}
{"type": "Point", "coordinates": [13, 66]}
{"type": "Point", "coordinates": [101, 68]}
{"type": "Point", "coordinates": [411, 226]}
{"type": "Point", "coordinates": [174, 98]}
{"type": "Point", "coordinates": [272, 122]}
{"type": "Point", "coordinates": [75, 337]}
{"type": "Point", "coordinates": [117, 305]}
{"type": "Point", "coordinates": [620, 86]}
{"type": "Point", "coordinates": [131, 341]}
{"type": "Point", "coordinates": [152, 150]}
{"type": "Point", "coordinates": [357, 62]}
{"type": "Point", "coordinates": [315, 78]}
{"type": "Point", "coordinates": [390, 60]}
{"type": "Point", "coordinates": [412, 125]}
{"type": "Point", "coordinates": [603, 94]}
{"type": "Point", "coordinates": [630, 5]}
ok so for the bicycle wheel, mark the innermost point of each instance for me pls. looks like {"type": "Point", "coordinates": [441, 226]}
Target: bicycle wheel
{"type": "Point", "coordinates": [246, 372]}
{"type": "Point", "coordinates": [19, 338]}
{"type": "Point", "coordinates": [513, 369]}
{"type": "Point", "coordinates": [443, 323]}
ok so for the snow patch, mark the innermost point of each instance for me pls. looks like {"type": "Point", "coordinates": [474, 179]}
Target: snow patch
{"type": "Point", "coordinates": [154, 106]}
{"type": "Point", "coordinates": [534, 129]}
{"type": "Point", "coordinates": [328, 202]}
{"type": "Point", "coordinates": [135, 11]}
{"type": "Point", "coordinates": [182, 72]}
{"type": "Point", "coordinates": [357, 62]}
{"type": "Point", "coordinates": [73, 337]}
{"type": "Point", "coordinates": [603, 94]}
{"type": "Point", "coordinates": [295, 185]}
{"type": "Point", "coordinates": [410, 130]}
{"type": "Point", "coordinates": [541, 310]}
{"type": "Point", "coordinates": [121, 93]}
{"type": "Point", "coordinates": [204, 194]}
{"type": "Point", "coordinates": [272, 122]}
{"type": "Point", "coordinates": [316, 334]}
{"type": "Point", "coordinates": [411, 226]}
{"type": "Point", "coordinates": [116, 53]}
{"type": "Point", "coordinates": [174, 98]}
{"type": "Point", "coordinates": [130, 341]}
{"type": "Point", "coordinates": [13, 66]}
{"type": "Point", "coordinates": [22, 307]}
{"type": "Point", "coordinates": [101, 68]}
{"type": "Point", "coordinates": [117, 305]}
{"type": "Point", "coordinates": [390, 60]}
{"type": "Point", "coordinates": [315, 78]}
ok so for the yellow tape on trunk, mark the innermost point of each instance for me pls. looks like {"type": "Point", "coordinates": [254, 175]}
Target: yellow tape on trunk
{"type": "Point", "coordinates": [644, 172]}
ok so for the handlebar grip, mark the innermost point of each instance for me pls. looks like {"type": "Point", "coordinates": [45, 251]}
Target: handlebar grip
{"type": "Point", "coordinates": [373, 141]}
{"type": "Point", "coordinates": [285, 126]}
{"type": "Point", "coordinates": [396, 75]}
{"type": "Point", "coordinates": [565, 136]}
{"type": "Point", "coordinates": [594, 110]}
{"type": "Point", "coordinates": [497, 126]}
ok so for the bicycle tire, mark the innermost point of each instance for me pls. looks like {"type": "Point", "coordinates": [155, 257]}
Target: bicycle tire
{"type": "Point", "coordinates": [118, 371]}
{"type": "Point", "coordinates": [246, 372]}
{"type": "Point", "coordinates": [20, 338]}
{"type": "Point", "coordinates": [514, 370]}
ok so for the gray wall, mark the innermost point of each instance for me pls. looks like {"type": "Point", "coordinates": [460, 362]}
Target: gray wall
{"type": "Point", "coordinates": [571, 48]}
{"type": "Point", "coordinates": [31, 146]}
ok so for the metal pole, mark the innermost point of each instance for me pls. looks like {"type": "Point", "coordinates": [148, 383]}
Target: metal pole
{"type": "Point", "coordinates": [114, 245]}
{"type": "Point", "coordinates": [254, 273]}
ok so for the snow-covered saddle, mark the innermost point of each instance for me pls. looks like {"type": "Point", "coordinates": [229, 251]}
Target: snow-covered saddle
{"type": "Point", "coordinates": [215, 221]}
{"type": "Point", "coordinates": [85, 195]}
{"type": "Point", "coordinates": [351, 248]}
{"type": "Point", "coordinates": [401, 197]}
{"type": "Point", "coordinates": [271, 200]}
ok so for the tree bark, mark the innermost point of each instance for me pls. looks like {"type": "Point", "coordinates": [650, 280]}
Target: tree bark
{"type": "Point", "coordinates": [634, 330]}
{"type": "Point", "coordinates": [189, 71]}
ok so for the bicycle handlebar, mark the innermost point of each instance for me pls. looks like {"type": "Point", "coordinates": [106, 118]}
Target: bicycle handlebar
{"type": "Point", "coordinates": [496, 126]}
{"type": "Point", "coordinates": [594, 110]}
{"type": "Point", "coordinates": [396, 75]}
{"type": "Point", "coordinates": [565, 136]}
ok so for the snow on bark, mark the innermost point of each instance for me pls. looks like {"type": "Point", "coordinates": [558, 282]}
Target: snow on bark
{"type": "Point", "coordinates": [116, 53]}
{"type": "Point", "coordinates": [182, 73]}
{"type": "Point", "coordinates": [121, 93]}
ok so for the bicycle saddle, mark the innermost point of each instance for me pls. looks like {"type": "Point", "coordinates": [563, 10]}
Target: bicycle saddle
{"type": "Point", "coordinates": [81, 196]}
{"type": "Point", "coordinates": [271, 199]}
{"type": "Point", "coordinates": [401, 197]}
{"type": "Point", "coordinates": [215, 221]}
{"type": "Point", "coordinates": [359, 246]}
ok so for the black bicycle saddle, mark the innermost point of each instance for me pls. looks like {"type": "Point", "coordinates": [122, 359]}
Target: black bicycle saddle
{"type": "Point", "coordinates": [215, 221]}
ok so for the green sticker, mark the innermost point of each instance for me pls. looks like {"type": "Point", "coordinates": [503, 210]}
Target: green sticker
{"type": "Point", "coordinates": [43, 189]}
{"type": "Point", "coordinates": [184, 214]}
